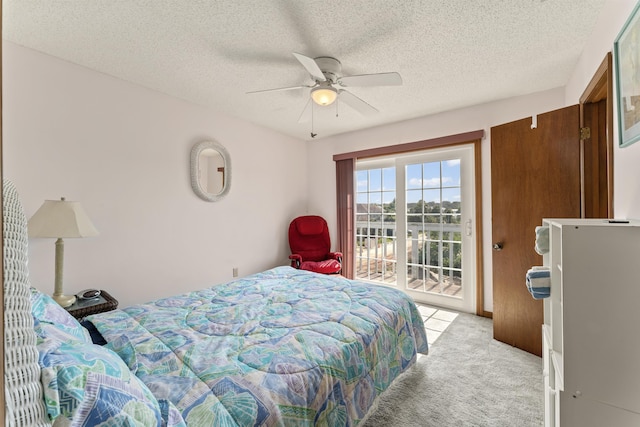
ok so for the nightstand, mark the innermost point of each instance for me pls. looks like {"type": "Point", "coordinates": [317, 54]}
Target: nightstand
{"type": "Point", "coordinates": [84, 308]}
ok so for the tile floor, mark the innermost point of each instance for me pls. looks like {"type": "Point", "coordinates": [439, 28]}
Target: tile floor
{"type": "Point", "coordinates": [436, 320]}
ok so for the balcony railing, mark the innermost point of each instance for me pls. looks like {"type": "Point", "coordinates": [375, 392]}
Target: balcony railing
{"type": "Point", "coordinates": [376, 256]}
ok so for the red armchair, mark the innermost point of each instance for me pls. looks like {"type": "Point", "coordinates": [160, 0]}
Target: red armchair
{"type": "Point", "coordinates": [311, 246]}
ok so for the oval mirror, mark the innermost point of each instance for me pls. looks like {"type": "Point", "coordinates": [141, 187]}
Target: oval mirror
{"type": "Point", "coordinates": [210, 170]}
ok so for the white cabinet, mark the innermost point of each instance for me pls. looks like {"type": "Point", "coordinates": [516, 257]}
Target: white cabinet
{"type": "Point", "coordinates": [591, 330]}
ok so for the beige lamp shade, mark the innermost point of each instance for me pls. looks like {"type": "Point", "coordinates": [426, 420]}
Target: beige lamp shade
{"type": "Point", "coordinates": [61, 218]}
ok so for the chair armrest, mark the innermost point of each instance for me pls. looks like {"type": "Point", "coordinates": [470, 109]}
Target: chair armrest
{"type": "Point", "coordinates": [296, 260]}
{"type": "Point", "coordinates": [336, 255]}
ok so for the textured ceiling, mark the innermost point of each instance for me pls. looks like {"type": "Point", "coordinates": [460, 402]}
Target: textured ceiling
{"type": "Point", "coordinates": [450, 54]}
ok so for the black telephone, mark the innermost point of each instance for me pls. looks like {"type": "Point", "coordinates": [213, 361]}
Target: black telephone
{"type": "Point", "coordinates": [88, 294]}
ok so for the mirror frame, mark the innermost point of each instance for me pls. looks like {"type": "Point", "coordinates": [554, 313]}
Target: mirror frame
{"type": "Point", "coordinates": [195, 182]}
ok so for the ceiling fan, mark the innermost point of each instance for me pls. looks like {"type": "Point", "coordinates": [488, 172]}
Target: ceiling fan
{"type": "Point", "coordinates": [330, 83]}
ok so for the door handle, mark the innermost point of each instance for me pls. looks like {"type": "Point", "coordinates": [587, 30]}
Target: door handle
{"type": "Point", "coordinates": [497, 246]}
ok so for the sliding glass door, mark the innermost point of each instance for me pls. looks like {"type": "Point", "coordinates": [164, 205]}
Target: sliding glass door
{"type": "Point", "coordinates": [414, 226]}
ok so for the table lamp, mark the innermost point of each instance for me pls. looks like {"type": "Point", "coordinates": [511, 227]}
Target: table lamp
{"type": "Point", "coordinates": [61, 219]}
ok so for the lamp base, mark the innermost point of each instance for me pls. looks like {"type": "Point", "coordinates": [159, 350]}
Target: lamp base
{"type": "Point", "coordinates": [64, 300]}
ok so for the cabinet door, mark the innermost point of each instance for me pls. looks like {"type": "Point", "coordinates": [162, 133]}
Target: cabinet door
{"type": "Point", "coordinates": [550, 394]}
{"type": "Point", "coordinates": [586, 413]}
{"type": "Point", "coordinates": [600, 271]}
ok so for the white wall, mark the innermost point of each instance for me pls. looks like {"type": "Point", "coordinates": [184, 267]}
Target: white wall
{"type": "Point", "coordinates": [626, 160]}
{"type": "Point", "coordinates": [626, 179]}
{"type": "Point", "coordinates": [322, 169]}
{"type": "Point", "coordinates": [123, 151]}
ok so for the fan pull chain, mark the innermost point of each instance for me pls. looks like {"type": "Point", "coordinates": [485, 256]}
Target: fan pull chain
{"type": "Point", "coordinates": [313, 135]}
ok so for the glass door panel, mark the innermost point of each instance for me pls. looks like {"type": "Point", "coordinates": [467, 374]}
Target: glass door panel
{"type": "Point", "coordinates": [413, 225]}
{"type": "Point", "coordinates": [376, 240]}
{"type": "Point", "coordinates": [433, 206]}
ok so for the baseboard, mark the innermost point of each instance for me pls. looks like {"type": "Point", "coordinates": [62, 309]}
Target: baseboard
{"type": "Point", "coordinates": [488, 314]}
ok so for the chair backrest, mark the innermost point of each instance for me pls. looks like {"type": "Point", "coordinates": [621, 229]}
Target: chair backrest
{"type": "Point", "coordinates": [309, 237]}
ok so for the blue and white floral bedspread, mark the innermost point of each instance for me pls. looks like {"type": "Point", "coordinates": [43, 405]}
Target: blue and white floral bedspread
{"type": "Point", "coordinates": [284, 347]}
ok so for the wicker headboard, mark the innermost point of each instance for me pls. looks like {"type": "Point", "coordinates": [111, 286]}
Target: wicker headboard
{"type": "Point", "coordinates": [23, 390]}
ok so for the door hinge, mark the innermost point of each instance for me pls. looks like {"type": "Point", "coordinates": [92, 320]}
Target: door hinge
{"type": "Point", "coordinates": [585, 133]}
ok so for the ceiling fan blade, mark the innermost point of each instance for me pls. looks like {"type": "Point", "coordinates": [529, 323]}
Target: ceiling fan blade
{"type": "Point", "coordinates": [280, 89]}
{"type": "Point", "coordinates": [357, 104]}
{"type": "Point", "coordinates": [379, 79]}
{"type": "Point", "coordinates": [311, 66]}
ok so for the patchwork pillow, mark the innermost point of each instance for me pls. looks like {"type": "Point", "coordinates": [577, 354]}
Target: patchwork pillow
{"type": "Point", "coordinates": [89, 385]}
{"type": "Point", "coordinates": [54, 319]}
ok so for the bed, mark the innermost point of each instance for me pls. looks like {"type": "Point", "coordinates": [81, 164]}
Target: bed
{"type": "Point", "coordinates": [283, 347]}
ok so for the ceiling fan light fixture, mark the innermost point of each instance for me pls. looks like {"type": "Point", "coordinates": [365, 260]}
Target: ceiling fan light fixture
{"type": "Point", "coordinates": [324, 95]}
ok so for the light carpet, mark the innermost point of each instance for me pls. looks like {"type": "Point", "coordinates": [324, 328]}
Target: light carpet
{"type": "Point", "coordinates": [468, 379]}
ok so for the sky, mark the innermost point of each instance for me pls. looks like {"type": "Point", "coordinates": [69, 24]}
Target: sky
{"type": "Point", "coordinates": [424, 181]}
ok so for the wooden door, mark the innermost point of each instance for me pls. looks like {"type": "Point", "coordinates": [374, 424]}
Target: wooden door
{"type": "Point", "coordinates": [535, 174]}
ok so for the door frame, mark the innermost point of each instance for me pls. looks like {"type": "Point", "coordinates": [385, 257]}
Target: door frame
{"type": "Point", "coordinates": [592, 182]}
{"type": "Point", "coordinates": [473, 137]}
